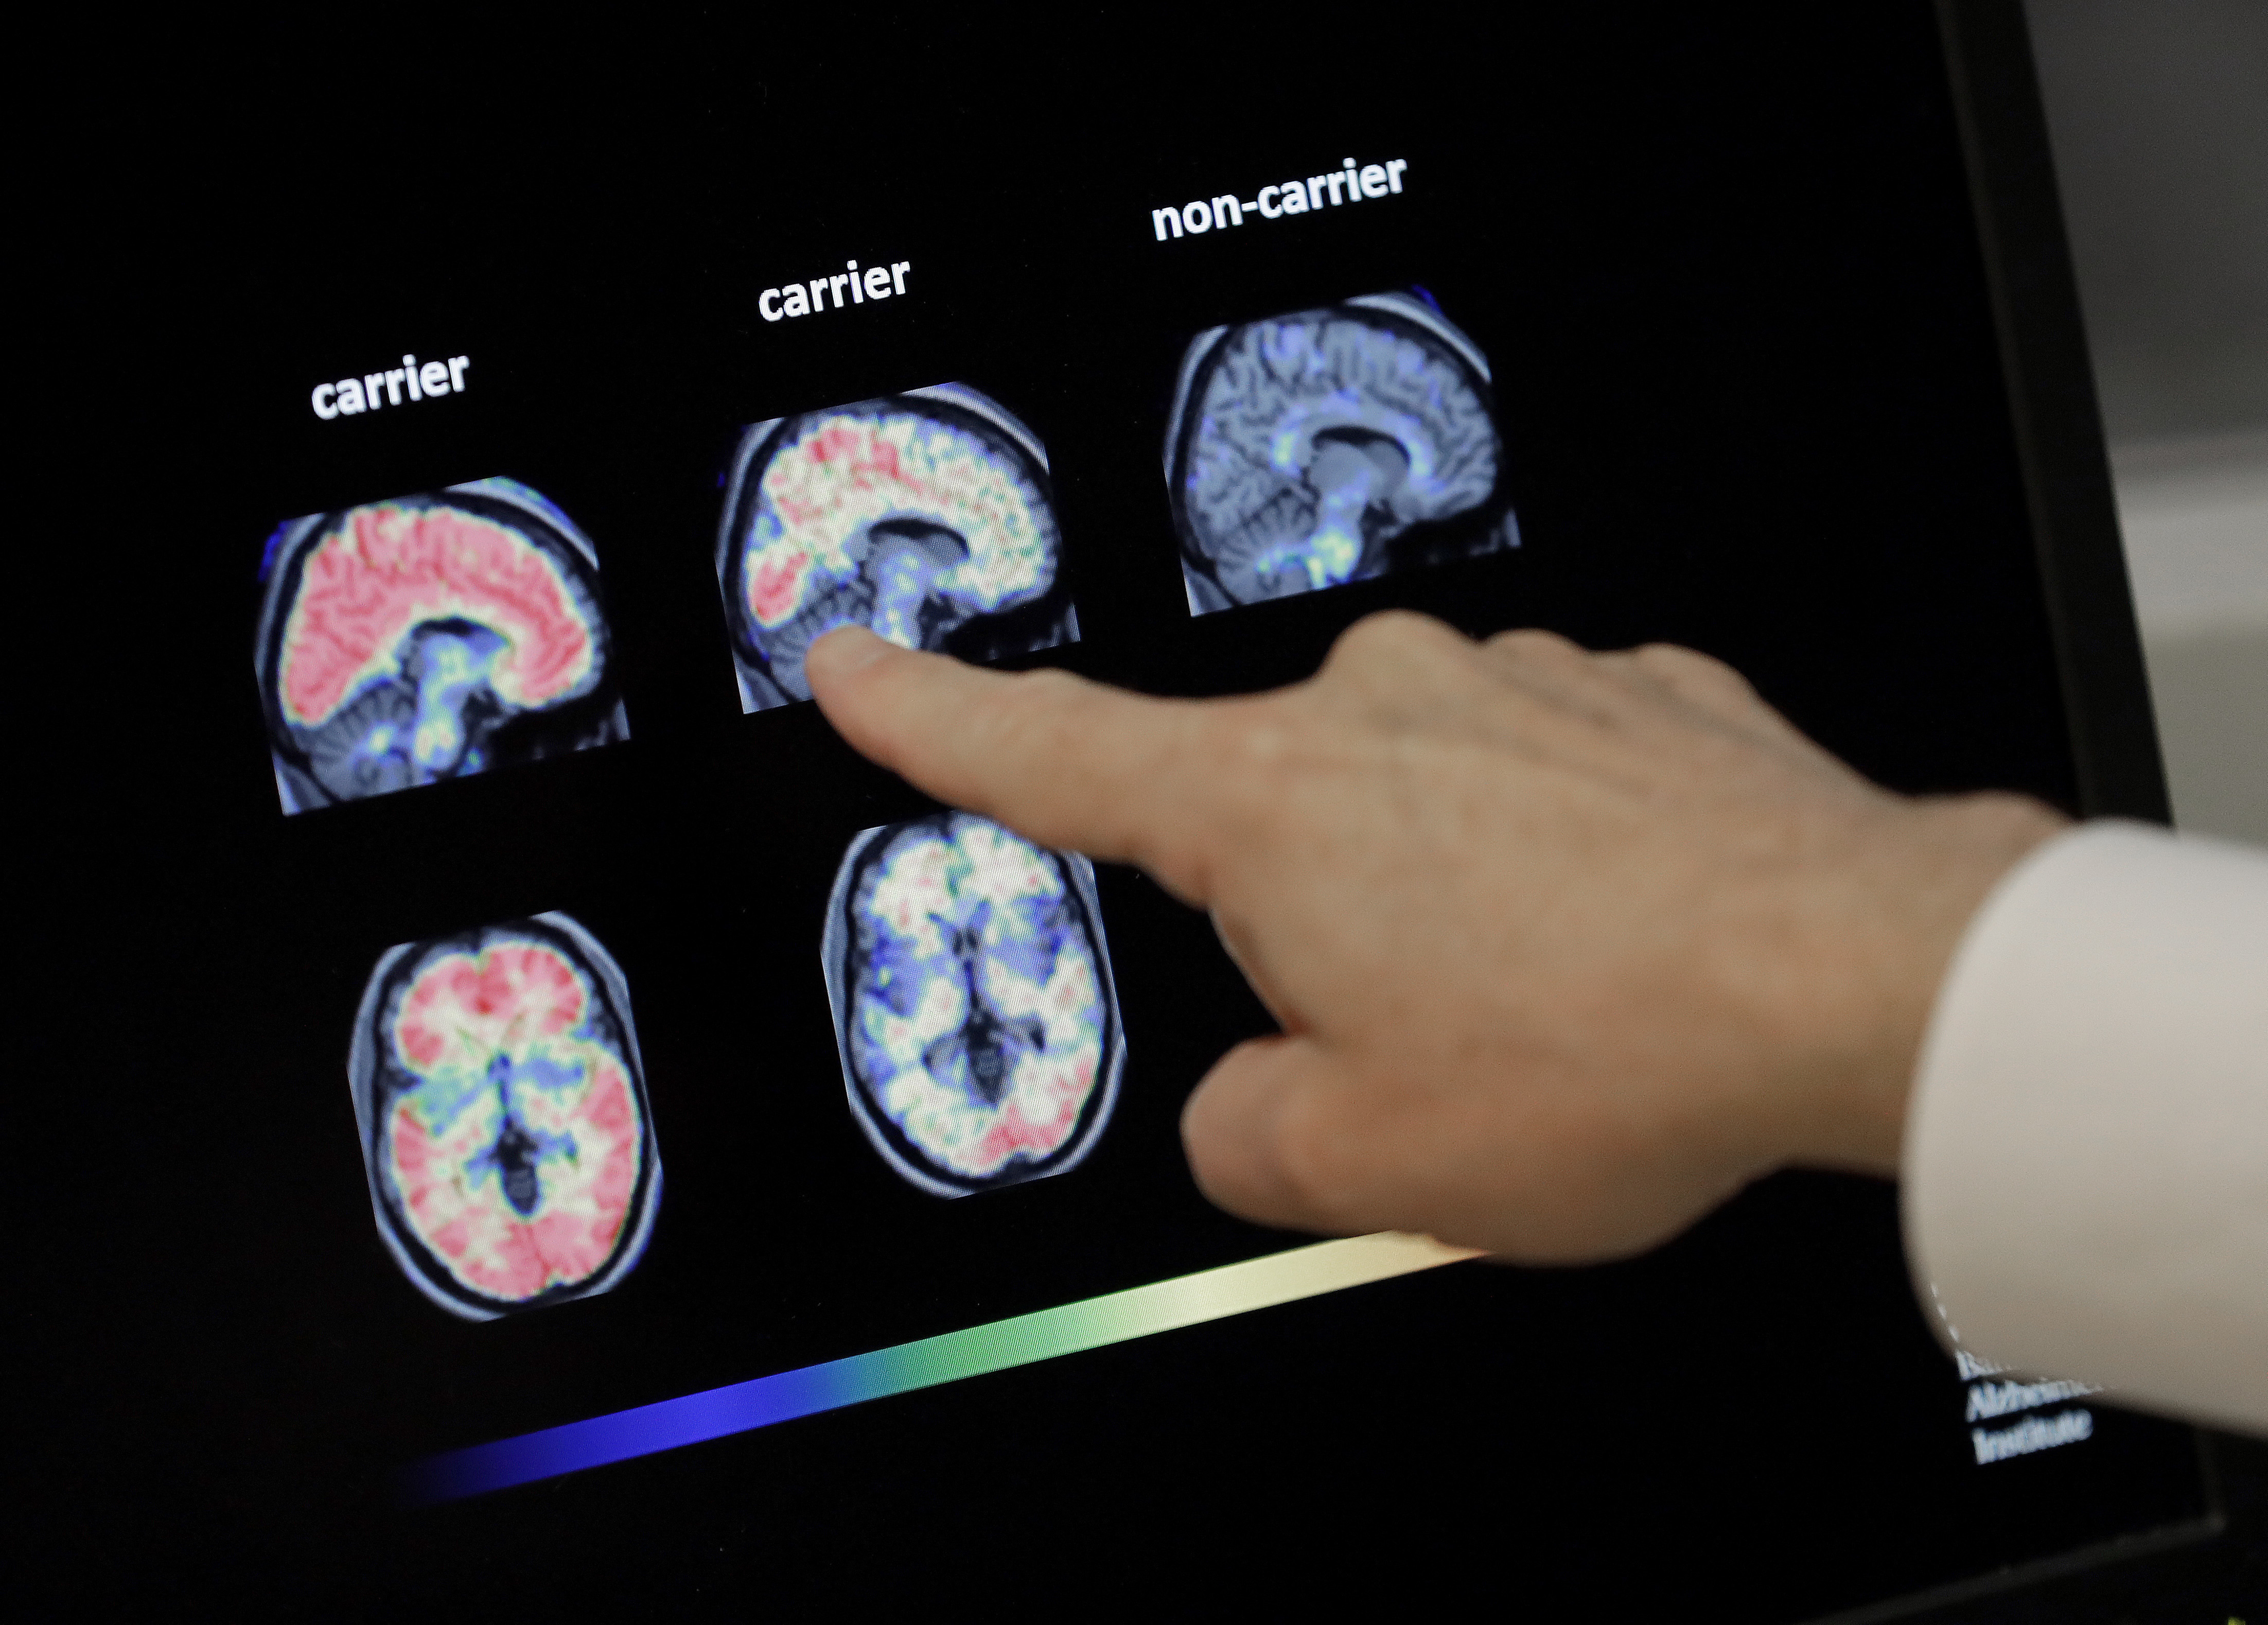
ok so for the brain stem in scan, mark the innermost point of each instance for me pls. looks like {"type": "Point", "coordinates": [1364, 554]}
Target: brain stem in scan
{"type": "Point", "coordinates": [448, 665]}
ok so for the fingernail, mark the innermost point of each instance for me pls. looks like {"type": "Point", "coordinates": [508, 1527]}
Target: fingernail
{"type": "Point", "coordinates": [854, 648]}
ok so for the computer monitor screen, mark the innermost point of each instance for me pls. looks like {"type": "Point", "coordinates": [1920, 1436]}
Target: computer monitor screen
{"type": "Point", "coordinates": [644, 1151]}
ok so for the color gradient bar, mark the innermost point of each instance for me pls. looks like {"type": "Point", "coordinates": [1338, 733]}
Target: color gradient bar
{"type": "Point", "coordinates": [1090, 1323]}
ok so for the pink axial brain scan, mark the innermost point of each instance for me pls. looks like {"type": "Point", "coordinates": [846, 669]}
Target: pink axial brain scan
{"type": "Point", "coordinates": [926, 516]}
{"type": "Point", "coordinates": [427, 637]}
{"type": "Point", "coordinates": [1331, 446]}
{"type": "Point", "coordinates": [504, 1119]}
{"type": "Point", "coordinates": [974, 1004]}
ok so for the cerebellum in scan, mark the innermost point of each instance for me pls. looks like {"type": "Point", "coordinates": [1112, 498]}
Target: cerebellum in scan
{"type": "Point", "coordinates": [928, 516]}
{"type": "Point", "coordinates": [502, 1109]}
{"type": "Point", "coordinates": [428, 638]}
{"type": "Point", "coordinates": [974, 1005]}
{"type": "Point", "coordinates": [1331, 446]}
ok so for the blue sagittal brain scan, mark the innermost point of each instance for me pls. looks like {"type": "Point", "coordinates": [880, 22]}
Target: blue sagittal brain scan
{"type": "Point", "coordinates": [927, 516]}
{"type": "Point", "coordinates": [974, 1004]}
{"type": "Point", "coordinates": [1332, 446]}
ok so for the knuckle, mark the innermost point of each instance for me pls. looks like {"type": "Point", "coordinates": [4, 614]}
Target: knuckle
{"type": "Point", "coordinates": [1391, 634]}
{"type": "Point", "coordinates": [1542, 647]}
{"type": "Point", "coordinates": [1311, 1159]}
{"type": "Point", "coordinates": [1258, 741]}
{"type": "Point", "coordinates": [1386, 663]}
{"type": "Point", "coordinates": [1673, 662]}
{"type": "Point", "coordinates": [1263, 755]}
{"type": "Point", "coordinates": [1047, 685]}
{"type": "Point", "coordinates": [1036, 702]}
{"type": "Point", "coordinates": [1003, 729]}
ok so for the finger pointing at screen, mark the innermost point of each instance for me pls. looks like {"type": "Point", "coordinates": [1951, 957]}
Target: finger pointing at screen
{"type": "Point", "coordinates": [1566, 947]}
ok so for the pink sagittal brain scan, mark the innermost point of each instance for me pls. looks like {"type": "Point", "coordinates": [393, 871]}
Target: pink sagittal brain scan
{"type": "Point", "coordinates": [927, 516]}
{"type": "Point", "coordinates": [1332, 446]}
{"type": "Point", "coordinates": [974, 1004]}
{"type": "Point", "coordinates": [504, 1119]}
{"type": "Point", "coordinates": [431, 637]}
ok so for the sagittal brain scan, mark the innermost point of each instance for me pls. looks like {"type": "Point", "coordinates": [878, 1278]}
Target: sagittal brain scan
{"type": "Point", "coordinates": [428, 638]}
{"type": "Point", "coordinates": [974, 1004]}
{"type": "Point", "coordinates": [503, 1114]}
{"type": "Point", "coordinates": [927, 516]}
{"type": "Point", "coordinates": [1332, 446]}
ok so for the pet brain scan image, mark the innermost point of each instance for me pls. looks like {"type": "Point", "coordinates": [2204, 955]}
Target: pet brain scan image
{"type": "Point", "coordinates": [502, 1114]}
{"type": "Point", "coordinates": [431, 637]}
{"type": "Point", "coordinates": [1332, 446]}
{"type": "Point", "coordinates": [974, 1004]}
{"type": "Point", "coordinates": [927, 516]}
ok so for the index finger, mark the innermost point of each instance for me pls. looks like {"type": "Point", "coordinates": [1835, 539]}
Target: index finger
{"type": "Point", "coordinates": [1067, 762]}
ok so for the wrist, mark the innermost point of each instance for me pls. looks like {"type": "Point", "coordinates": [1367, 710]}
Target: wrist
{"type": "Point", "coordinates": [1914, 889]}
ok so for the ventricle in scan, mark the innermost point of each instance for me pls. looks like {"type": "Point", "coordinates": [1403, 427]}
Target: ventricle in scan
{"type": "Point", "coordinates": [1331, 446]}
{"type": "Point", "coordinates": [506, 1133]}
{"type": "Point", "coordinates": [974, 1001]}
{"type": "Point", "coordinates": [429, 637]}
{"type": "Point", "coordinates": [925, 516]}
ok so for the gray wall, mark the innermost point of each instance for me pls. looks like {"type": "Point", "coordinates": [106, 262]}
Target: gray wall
{"type": "Point", "coordinates": [2158, 110]}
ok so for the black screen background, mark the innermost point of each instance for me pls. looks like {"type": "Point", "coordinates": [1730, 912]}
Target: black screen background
{"type": "Point", "coordinates": [1726, 275]}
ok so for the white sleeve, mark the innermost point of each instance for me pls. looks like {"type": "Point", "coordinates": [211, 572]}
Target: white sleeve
{"type": "Point", "coordinates": [2085, 1167]}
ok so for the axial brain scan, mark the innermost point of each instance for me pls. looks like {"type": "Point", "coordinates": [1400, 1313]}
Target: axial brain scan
{"type": "Point", "coordinates": [1331, 446]}
{"type": "Point", "coordinates": [502, 1114]}
{"type": "Point", "coordinates": [429, 637]}
{"type": "Point", "coordinates": [926, 516]}
{"type": "Point", "coordinates": [972, 1000]}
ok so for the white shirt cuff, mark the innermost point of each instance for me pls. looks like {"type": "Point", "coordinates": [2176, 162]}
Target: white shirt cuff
{"type": "Point", "coordinates": [2085, 1166]}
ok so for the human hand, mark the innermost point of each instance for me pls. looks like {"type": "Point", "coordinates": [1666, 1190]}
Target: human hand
{"type": "Point", "coordinates": [1566, 948]}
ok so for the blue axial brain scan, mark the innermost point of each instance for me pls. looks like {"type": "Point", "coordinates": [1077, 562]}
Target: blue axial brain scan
{"type": "Point", "coordinates": [927, 516]}
{"type": "Point", "coordinates": [429, 637]}
{"type": "Point", "coordinates": [974, 1004]}
{"type": "Point", "coordinates": [503, 1114]}
{"type": "Point", "coordinates": [1332, 446]}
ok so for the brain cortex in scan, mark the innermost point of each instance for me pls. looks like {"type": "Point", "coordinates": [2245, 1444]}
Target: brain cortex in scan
{"type": "Point", "coordinates": [502, 1114]}
{"type": "Point", "coordinates": [974, 1003]}
{"type": "Point", "coordinates": [1332, 446]}
{"type": "Point", "coordinates": [926, 516]}
{"type": "Point", "coordinates": [429, 637]}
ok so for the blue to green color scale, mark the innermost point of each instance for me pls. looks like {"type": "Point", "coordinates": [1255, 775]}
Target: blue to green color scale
{"type": "Point", "coordinates": [1021, 1339]}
